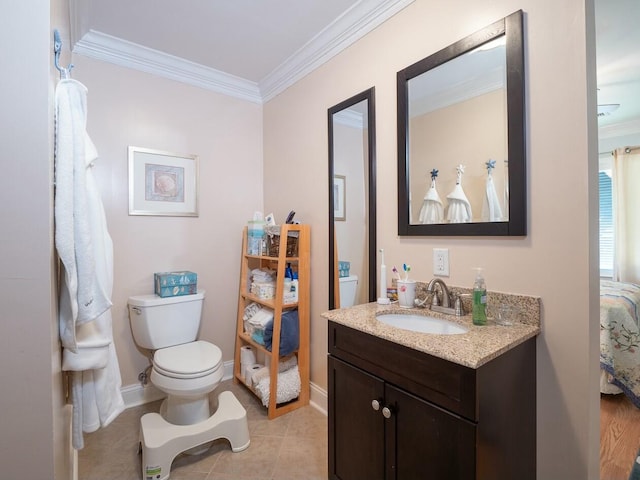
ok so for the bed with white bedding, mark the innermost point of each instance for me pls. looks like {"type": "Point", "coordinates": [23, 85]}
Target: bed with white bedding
{"type": "Point", "coordinates": [620, 339]}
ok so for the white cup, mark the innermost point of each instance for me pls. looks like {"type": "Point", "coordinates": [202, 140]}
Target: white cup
{"type": "Point", "coordinates": [406, 293]}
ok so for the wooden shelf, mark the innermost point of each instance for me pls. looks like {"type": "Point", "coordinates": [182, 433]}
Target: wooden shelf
{"type": "Point", "coordinates": [301, 263]}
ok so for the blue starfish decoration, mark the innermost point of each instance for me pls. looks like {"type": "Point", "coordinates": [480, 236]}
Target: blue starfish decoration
{"type": "Point", "coordinates": [491, 164]}
{"type": "Point", "coordinates": [434, 174]}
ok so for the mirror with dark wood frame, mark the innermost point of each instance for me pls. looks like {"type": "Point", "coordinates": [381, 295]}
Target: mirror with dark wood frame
{"type": "Point", "coordinates": [352, 199]}
{"type": "Point", "coordinates": [461, 130]}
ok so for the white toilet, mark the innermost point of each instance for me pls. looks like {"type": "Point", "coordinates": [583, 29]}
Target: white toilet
{"type": "Point", "coordinates": [187, 370]}
{"type": "Point", "coordinates": [348, 288]}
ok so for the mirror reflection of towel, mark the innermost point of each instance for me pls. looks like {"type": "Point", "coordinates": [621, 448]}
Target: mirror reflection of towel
{"type": "Point", "coordinates": [289, 333]}
{"type": "Point", "coordinates": [432, 210]}
{"type": "Point", "coordinates": [491, 210]}
{"type": "Point", "coordinates": [459, 209]}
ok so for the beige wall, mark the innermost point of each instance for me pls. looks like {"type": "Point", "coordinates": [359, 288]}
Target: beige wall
{"type": "Point", "coordinates": [127, 107]}
{"type": "Point", "coordinates": [33, 435]}
{"type": "Point", "coordinates": [556, 260]}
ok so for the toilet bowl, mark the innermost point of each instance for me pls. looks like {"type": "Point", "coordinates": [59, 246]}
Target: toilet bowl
{"type": "Point", "coordinates": [187, 373]}
{"type": "Point", "coordinates": [187, 370]}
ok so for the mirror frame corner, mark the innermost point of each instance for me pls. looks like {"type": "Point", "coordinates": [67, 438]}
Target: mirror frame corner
{"type": "Point", "coordinates": [512, 27]}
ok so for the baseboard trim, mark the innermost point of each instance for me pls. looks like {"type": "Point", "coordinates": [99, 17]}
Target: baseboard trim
{"type": "Point", "coordinates": [138, 394]}
{"type": "Point", "coordinates": [319, 398]}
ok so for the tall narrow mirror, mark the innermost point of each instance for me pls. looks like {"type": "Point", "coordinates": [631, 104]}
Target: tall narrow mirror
{"type": "Point", "coordinates": [352, 201]}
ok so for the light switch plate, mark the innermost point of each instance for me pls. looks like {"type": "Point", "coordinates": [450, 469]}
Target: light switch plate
{"type": "Point", "coordinates": [441, 262]}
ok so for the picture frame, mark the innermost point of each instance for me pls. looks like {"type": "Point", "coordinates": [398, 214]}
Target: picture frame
{"type": "Point", "coordinates": [339, 198]}
{"type": "Point", "coordinates": [162, 183]}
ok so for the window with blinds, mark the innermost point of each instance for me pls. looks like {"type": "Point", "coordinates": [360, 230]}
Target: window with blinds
{"type": "Point", "coordinates": [606, 225]}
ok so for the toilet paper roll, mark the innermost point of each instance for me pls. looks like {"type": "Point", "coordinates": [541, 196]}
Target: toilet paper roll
{"type": "Point", "coordinates": [247, 355]}
{"type": "Point", "coordinates": [249, 371]}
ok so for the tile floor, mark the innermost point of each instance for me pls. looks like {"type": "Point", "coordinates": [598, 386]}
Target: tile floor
{"type": "Point", "coordinates": [290, 447]}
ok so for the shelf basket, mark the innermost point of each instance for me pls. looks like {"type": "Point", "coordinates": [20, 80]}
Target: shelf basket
{"type": "Point", "coordinates": [273, 242]}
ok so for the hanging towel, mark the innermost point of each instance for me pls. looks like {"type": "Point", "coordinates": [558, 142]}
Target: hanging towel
{"type": "Point", "coordinates": [86, 253]}
{"type": "Point", "coordinates": [432, 210]}
{"type": "Point", "coordinates": [87, 296]}
{"type": "Point", "coordinates": [491, 210]}
{"type": "Point", "coordinates": [459, 209]}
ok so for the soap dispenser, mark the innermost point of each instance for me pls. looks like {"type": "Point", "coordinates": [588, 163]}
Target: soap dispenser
{"type": "Point", "coordinates": [479, 312]}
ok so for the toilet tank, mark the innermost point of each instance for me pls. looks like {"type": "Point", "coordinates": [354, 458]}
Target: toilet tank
{"type": "Point", "coordinates": [163, 322]}
{"type": "Point", "coordinates": [348, 289]}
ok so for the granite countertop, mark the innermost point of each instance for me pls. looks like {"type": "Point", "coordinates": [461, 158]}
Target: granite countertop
{"type": "Point", "coordinates": [472, 349]}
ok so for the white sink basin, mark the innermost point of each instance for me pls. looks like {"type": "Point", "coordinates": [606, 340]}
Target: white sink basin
{"type": "Point", "coordinates": [421, 323]}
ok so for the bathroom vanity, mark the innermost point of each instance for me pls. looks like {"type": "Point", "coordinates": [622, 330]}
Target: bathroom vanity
{"type": "Point", "coordinates": [406, 405]}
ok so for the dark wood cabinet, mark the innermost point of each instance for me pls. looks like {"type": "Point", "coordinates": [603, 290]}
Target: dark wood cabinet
{"type": "Point", "coordinates": [399, 414]}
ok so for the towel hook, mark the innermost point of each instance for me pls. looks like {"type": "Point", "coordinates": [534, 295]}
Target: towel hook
{"type": "Point", "coordinates": [57, 46]}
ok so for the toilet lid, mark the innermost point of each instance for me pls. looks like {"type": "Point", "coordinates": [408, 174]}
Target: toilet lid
{"type": "Point", "coordinates": [189, 360]}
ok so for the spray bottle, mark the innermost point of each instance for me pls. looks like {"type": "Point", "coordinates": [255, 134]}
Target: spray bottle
{"type": "Point", "coordinates": [479, 312]}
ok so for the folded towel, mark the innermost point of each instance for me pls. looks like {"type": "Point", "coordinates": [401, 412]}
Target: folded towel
{"type": "Point", "coordinates": [283, 366]}
{"type": "Point", "coordinates": [289, 333]}
{"type": "Point", "coordinates": [288, 387]}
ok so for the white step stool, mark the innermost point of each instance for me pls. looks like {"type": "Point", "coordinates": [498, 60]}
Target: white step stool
{"type": "Point", "coordinates": [162, 441]}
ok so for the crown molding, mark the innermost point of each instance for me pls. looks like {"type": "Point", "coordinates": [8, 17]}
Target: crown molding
{"type": "Point", "coordinates": [111, 49]}
{"type": "Point", "coordinates": [619, 129]}
{"type": "Point", "coordinates": [355, 23]}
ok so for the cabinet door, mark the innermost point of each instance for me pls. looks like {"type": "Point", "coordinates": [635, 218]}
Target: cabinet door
{"type": "Point", "coordinates": [425, 442]}
{"type": "Point", "coordinates": [356, 430]}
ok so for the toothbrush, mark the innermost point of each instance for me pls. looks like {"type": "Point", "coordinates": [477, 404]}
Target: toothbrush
{"type": "Point", "coordinates": [407, 269]}
{"type": "Point", "coordinates": [395, 270]}
{"type": "Point", "coordinates": [382, 298]}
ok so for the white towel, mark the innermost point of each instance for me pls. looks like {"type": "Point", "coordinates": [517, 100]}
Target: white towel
{"type": "Point", "coordinates": [87, 298]}
{"type": "Point", "coordinates": [86, 251]}
{"type": "Point", "coordinates": [459, 209]}
{"type": "Point", "coordinates": [288, 387]}
{"type": "Point", "coordinates": [432, 210]}
{"type": "Point", "coordinates": [491, 210]}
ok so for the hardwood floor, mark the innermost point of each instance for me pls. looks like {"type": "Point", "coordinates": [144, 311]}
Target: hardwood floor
{"type": "Point", "coordinates": [619, 436]}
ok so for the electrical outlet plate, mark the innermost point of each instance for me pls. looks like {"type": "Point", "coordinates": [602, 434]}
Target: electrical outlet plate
{"type": "Point", "coordinates": [441, 262]}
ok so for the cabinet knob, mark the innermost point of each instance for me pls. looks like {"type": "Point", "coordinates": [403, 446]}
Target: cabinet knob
{"type": "Point", "coordinates": [375, 404]}
{"type": "Point", "coordinates": [386, 412]}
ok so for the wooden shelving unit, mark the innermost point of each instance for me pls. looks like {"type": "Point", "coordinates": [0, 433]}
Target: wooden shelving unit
{"type": "Point", "coordinates": [301, 264]}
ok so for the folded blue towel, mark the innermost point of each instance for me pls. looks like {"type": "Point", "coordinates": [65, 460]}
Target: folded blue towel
{"type": "Point", "coordinates": [289, 333]}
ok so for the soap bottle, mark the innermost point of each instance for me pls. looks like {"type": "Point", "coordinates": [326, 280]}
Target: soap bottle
{"type": "Point", "coordinates": [479, 311]}
{"type": "Point", "coordinates": [294, 286]}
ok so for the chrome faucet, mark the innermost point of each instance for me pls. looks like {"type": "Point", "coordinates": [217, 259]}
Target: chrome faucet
{"type": "Point", "coordinates": [431, 288]}
{"type": "Point", "coordinates": [445, 303]}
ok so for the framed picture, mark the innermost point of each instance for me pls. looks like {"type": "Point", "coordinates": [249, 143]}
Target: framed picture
{"type": "Point", "coordinates": [162, 183]}
{"type": "Point", "coordinates": [339, 198]}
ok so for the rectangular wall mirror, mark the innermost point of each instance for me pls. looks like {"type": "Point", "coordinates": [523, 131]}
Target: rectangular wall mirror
{"type": "Point", "coordinates": [461, 137]}
{"type": "Point", "coordinates": [352, 201]}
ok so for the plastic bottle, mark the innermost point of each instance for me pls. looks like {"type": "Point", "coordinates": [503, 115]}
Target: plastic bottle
{"type": "Point", "coordinates": [288, 272]}
{"type": "Point", "coordinates": [294, 286]}
{"type": "Point", "coordinates": [479, 312]}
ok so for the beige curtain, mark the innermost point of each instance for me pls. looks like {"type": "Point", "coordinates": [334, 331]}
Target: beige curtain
{"type": "Point", "coordinates": [626, 207]}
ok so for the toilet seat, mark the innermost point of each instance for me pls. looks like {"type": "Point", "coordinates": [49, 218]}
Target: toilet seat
{"type": "Point", "coordinates": [189, 360]}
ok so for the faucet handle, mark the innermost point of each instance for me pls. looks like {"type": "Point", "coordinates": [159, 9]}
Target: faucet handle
{"type": "Point", "coordinates": [458, 305]}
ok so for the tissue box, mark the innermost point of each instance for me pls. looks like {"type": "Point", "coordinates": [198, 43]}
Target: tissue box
{"type": "Point", "coordinates": [343, 269]}
{"type": "Point", "coordinates": [173, 284]}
